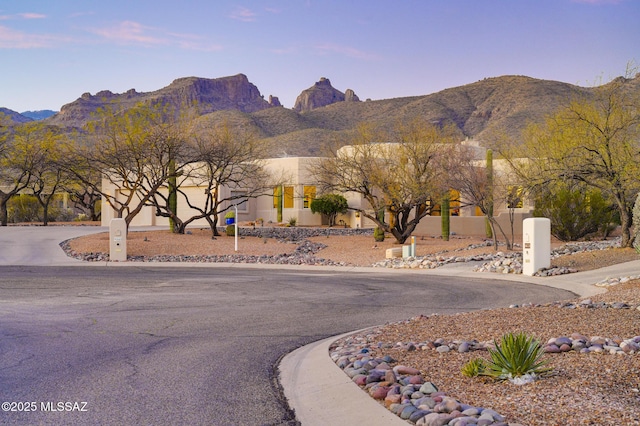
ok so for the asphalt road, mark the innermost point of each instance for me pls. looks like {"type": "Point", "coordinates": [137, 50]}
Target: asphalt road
{"type": "Point", "coordinates": [164, 345]}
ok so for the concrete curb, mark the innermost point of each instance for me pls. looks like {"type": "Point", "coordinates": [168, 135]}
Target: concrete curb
{"type": "Point", "coordinates": [322, 394]}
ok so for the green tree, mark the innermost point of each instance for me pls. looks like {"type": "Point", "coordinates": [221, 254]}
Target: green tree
{"type": "Point", "coordinates": [137, 150]}
{"type": "Point", "coordinates": [574, 211]}
{"type": "Point", "coordinates": [47, 171]}
{"type": "Point", "coordinates": [330, 205]}
{"type": "Point", "coordinates": [595, 140]}
{"type": "Point", "coordinates": [403, 176]}
{"type": "Point", "coordinates": [19, 154]}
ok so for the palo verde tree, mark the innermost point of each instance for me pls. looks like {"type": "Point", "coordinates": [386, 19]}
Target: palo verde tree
{"type": "Point", "coordinates": [19, 154]}
{"type": "Point", "coordinates": [47, 169]}
{"type": "Point", "coordinates": [136, 150]}
{"type": "Point", "coordinates": [403, 172]}
{"type": "Point", "coordinates": [595, 140]}
{"type": "Point", "coordinates": [227, 156]}
{"type": "Point", "coordinates": [83, 196]}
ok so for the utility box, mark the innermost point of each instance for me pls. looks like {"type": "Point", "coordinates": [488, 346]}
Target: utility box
{"type": "Point", "coordinates": [536, 245]}
{"type": "Point", "coordinates": [118, 240]}
{"type": "Point", "coordinates": [409, 250]}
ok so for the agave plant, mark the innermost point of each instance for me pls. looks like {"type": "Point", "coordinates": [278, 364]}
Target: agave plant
{"type": "Point", "coordinates": [517, 355]}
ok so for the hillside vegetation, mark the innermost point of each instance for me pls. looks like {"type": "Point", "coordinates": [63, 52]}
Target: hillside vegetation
{"type": "Point", "coordinates": [490, 108]}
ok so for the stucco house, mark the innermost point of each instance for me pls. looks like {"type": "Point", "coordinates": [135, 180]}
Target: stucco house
{"type": "Point", "coordinates": [291, 201]}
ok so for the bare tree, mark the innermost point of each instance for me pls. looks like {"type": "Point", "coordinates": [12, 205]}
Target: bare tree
{"type": "Point", "coordinates": [402, 172]}
{"type": "Point", "coordinates": [227, 157]}
{"type": "Point", "coordinates": [481, 186]}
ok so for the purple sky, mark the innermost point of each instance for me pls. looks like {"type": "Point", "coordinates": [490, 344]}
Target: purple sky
{"type": "Point", "coordinates": [53, 51]}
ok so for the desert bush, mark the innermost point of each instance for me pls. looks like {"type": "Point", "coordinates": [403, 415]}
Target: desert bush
{"type": "Point", "coordinates": [515, 356]}
{"type": "Point", "coordinates": [378, 234]}
{"type": "Point", "coordinates": [292, 221]}
{"type": "Point", "coordinates": [63, 215]}
{"type": "Point", "coordinates": [474, 368]}
{"type": "Point", "coordinates": [230, 230]}
{"type": "Point", "coordinates": [24, 208]}
{"type": "Point", "coordinates": [575, 212]}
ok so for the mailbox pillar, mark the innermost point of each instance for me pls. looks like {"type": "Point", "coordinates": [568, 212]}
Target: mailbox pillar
{"type": "Point", "coordinates": [118, 240]}
{"type": "Point", "coordinates": [536, 245]}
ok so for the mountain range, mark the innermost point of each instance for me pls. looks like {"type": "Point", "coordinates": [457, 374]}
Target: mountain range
{"type": "Point", "coordinates": [323, 115]}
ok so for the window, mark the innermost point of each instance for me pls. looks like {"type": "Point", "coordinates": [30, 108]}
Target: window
{"type": "Point", "coordinates": [454, 203]}
{"type": "Point", "coordinates": [240, 198]}
{"type": "Point", "coordinates": [309, 195]}
{"type": "Point", "coordinates": [276, 196]}
{"type": "Point", "coordinates": [288, 197]}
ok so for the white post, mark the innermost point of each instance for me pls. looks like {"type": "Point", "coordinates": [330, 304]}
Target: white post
{"type": "Point", "coordinates": [536, 245]}
{"type": "Point", "coordinates": [235, 206]}
{"type": "Point", "coordinates": [118, 240]}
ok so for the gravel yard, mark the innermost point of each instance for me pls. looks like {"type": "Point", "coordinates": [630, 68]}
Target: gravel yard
{"type": "Point", "coordinates": [354, 250]}
{"type": "Point", "coordinates": [583, 389]}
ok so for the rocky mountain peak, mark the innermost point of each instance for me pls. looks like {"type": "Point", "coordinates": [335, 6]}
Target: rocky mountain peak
{"type": "Point", "coordinates": [209, 95]}
{"type": "Point", "coordinates": [321, 94]}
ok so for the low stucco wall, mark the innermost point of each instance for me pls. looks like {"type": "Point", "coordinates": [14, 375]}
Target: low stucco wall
{"type": "Point", "coordinates": [470, 225]}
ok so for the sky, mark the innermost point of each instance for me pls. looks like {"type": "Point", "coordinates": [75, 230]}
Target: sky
{"type": "Point", "coordinates": [51, 52]}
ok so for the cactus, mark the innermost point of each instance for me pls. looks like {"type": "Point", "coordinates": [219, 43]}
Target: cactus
{"type": "Point", "coordinates": [445, 217]}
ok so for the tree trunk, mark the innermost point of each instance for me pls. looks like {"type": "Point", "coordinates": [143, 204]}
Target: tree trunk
{"type": "Point", "coordinates": [172, 200]}
{"type": "Point", "coordinates": [45, 214]}
{"type": "Point", "coordinates": [626, 221]}
{"type": "Point", "coordinates": [4, 216]}
{"type": "Point", "coordinates": [213, 224]}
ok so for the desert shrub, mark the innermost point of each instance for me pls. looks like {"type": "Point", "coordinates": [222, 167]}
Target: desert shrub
{"type": "Point", "coordinates": [292, 221]}
{"type": "Point", "coordinates": [474, 368]}
{"type": "Point", "coordinates": [230, 230]}
{"type": "Point", "coordinates": [24, 208]}
{"type": "Point", "coordinates": [330, 205]}
{"type": "Point", "coordinates": [378, 234]}
{"type": "Point", "coordinates": [574, 212]}
{"type": "Point", "coordinates": [515, 356]}
{"type": "Point", "coordinates": [63, 215]}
